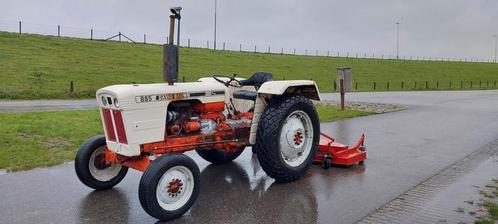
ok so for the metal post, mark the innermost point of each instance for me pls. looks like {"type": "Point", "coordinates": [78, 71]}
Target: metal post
{"type": "Point", "coordinates": [387, 87]}
{"type": "Point", "coordinates": [437, 84]}
{"type": "Point", "coordinates": [496, 46]}
{"type": "Point", "coordinates": [375, 85]}
{"type": "Point", "coordinates": [215, 9]}
{"type": "Point", "coordinates": [240, 47]}
{"type": "Point", "coordinates": [207, 44]}
{"type": "Point", "coordinates": [91, 34]}
{"type": "Point", "coordinates": [316, 52]}
{"type": "Point", "coordinates": [328, 53]}
{"type": "Point", "coordinates": [269, 49]}
{"type": "Point", "coordinates": [397, 40]}
{"type": "Point", "coordinates": [282, 51]}
{"type": "Point", "coordinates": [306, 52]}
{"type": "Point", "coordinates": [254, 48]}
{"type": "Point", "coordinates": [188, 42]}
{"type": "Point", "coordinates": [294, 51]}
{"type": "Point", "coordinates": [58, 30]}
{"type": "Point", "coordinates": [402, 85]}
{"type": "Point", "coordinates": [342, 93]}
{"type": "Point", "coordinates": [223, 45]}
{"type": "Point", "coordinates": [119, 36]}
{"type": "Point", "coordinates": [145, 39]}
{"type": "Point", "coordinates": [20, 27]}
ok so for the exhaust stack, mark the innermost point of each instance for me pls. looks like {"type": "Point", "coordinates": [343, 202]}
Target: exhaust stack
{"type": "Point", "coordinates": [170, 56]}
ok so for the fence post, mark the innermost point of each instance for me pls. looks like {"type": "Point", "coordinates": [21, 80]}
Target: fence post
{"type": "Point", "coordinates": [20, 27]}
{"type": "Point", "coordinates": [269, 49]}
{"type": "Point", "coordinates": [91, 34]}
{"type": "Point", "coordinates": [328, 53]}
{"type": "Point", "coordinates": [207, 44]}
{"type": "Point", "coordinates": [426, 84]}
{"type": "Point", "coordinates": [495, 83]}
{"type": "Point", "coordinates": [356, 86]}
{"type": "Point", "coordinates": [58, 30]}
{"type": "Point", "coordinates": [316, 52]}
{"type": "Point", "coordinates": [471, 84]}
{"type": "Point", "coordinates": [255, 48]}
{"type": "Point", "coordinates": [335, 86]}
{"type": "Point", "coordinates": [223, 46]}
{"type": "Point", "coordinates": [282, 51]}
{"type": "Point", "coordinates": [183, 78]}
{"type": "Point", "coordinates": [71, 87]}
{"type": "Point", "coordinates": [347, 54]}
{"type": "Point", "coordinates": [450, 84]}
{"type": "Point", "coordinates": [294, 51]}
{"type": "Point", "coordinates": [415, 86]}
{"type": "Point", "coordinates": [240, 47]}
{"type": "Point", "coordinates": [306, 52]}
{"type": "Point", "coordinates": [375, 85]}
{"type": "Point", "coordinates": [402, 85]}
{"type": "Point", "coordinates": [437, 84]}
{"type": "Point", "coordinates": [461, 84]}
{"type": "Point", "coordinates": [145, 39]}
{"type": "Point", "coordinates": [188, 42]}
{"type": "Point", "coordinates": [480, 84]}
{"type": "Point", "coordinates": [387, 87]}
{"type": "Point", "coordinates": [119, 36]}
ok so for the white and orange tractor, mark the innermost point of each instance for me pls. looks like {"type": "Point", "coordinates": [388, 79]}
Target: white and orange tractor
{"type": "Point", "coordinates": [149, 126]}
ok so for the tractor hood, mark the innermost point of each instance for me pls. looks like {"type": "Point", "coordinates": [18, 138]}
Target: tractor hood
{"type": "Point", "coordinates": [150, 95]}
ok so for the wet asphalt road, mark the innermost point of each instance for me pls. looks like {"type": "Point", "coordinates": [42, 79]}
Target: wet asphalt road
{"type": "Point", "coordinates": [404, 149]}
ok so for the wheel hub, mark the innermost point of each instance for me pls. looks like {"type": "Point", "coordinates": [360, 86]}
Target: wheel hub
{"type": "Point", "coordinates": [174, 187]}
{"type": "Point", "coordinates": [100, 162]}
{"type": "Point", "coordinates": [295, 138]}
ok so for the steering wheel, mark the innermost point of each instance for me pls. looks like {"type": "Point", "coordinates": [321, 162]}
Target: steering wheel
{"type": "Point", "coordinates": [229, 82]}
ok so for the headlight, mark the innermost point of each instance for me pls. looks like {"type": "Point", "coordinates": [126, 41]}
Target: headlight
{"type": "Point", "coordinates": [116, 103]}
{"type": "Point", "coordinates": [104, 101]}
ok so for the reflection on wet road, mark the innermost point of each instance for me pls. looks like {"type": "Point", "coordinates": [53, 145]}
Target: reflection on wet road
{"type": "Point", "coordinates": [404, 149]}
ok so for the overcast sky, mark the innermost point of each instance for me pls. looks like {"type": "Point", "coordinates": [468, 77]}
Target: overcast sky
{"type": "Point", "coordinates": [436, 28]}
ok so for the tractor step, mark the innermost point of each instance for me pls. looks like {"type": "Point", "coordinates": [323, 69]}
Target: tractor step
{"type": "Point", "coordinates": [334, 153]}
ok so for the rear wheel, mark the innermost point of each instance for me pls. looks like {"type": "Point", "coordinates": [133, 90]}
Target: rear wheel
{"type": "Point", "coordinates": [169, 186]}
{"type": "Point", "coordinates": [91, 167]}
{"type": "Point", "coordinates": [287, 137]}
{"type": "Point", "coordinates": [219, 156]}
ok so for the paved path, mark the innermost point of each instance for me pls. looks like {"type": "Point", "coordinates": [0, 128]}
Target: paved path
{"type": "Point", "coordinates": [46, 105]}
{"type": "Point", "coordinates": [405, 148]}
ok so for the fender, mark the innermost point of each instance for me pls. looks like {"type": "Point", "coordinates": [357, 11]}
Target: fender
{"type": "Point", "coordinates": [307, 88]}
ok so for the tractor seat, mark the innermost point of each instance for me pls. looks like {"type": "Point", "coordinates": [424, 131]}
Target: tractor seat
{"type": "Point", "coordinates": [245, 95]}
{"type": "Point", "coordinates": [257, 79]}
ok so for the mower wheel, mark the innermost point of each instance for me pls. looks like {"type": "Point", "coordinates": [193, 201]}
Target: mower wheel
{"type": "Point", "coordinates": [326, 163]}
{"type": "Point", "coordinates": [287, 137]}
{"type": "Point", "coordinates": [91, 167]}
{"type": "Point", "coordinates": [218, 156]}
{"type": "Point", "coordinates": [169, 186]}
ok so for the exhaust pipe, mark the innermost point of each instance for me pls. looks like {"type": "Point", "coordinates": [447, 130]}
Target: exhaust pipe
{"type": "Point", "coordinates": [170, 56]}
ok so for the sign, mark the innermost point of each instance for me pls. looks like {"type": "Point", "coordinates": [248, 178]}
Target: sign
{"type": "Point", "coordinates": [345, 74]}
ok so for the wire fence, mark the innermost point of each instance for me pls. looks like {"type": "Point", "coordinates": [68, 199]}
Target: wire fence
{"type": "Point", "coordinates": [22, 27]}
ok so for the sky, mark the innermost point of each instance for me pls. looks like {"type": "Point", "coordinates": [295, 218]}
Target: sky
{"type": "Point", "coordinates": [427, 28]}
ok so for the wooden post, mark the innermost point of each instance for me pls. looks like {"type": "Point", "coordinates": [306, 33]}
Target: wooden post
{"type": "Point", "coordinates": [342, 93]}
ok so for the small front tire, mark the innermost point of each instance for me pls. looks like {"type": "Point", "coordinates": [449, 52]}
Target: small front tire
{"type": "Point", "coordinates": [169, 186]}
{"type": "Point", "coordinates": [91, 167]}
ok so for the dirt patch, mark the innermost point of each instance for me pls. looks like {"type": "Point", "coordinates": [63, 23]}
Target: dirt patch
{"type": "Point", "coordinates": [52, 143]}
{"type": "Point", "coordinates": [29, 136]}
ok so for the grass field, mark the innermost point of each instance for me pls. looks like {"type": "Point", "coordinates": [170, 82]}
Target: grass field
{"type": "Point", "coordinates": [38, 139]}
{"type": "Point", "coordinates": [34, 66]}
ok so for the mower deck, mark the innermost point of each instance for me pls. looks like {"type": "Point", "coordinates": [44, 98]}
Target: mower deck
{"type": "Point", "coordinates": [331, 152]}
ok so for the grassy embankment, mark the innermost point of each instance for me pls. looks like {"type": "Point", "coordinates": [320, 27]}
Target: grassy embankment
{"type": "Point", "coordinates": [34, 67]}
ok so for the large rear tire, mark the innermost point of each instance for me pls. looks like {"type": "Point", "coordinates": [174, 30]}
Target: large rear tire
{"type": "Point", "coordinates": [91, 167]}
{"type": "Point", "coordinates": [287, 137]}
{"type": "Point", "coordinates": [169, 186]}
{"type": "Point", "coordinates": [218, 156]}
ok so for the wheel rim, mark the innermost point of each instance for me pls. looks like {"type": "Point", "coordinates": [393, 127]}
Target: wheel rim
{"type": "Point", "coordinates": [98, 167]}
{"type": "Point", "coordinates": [296, 138]}
{"type": "Point", "coordinates": [175, 188]}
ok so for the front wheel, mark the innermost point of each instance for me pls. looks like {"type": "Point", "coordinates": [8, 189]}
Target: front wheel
{"type": "Point", "coordinates": [287, 137]}
{"type": "Point", "coordinates": [169, 186]}
{"type": "Point", "coordinates": [91, 167]}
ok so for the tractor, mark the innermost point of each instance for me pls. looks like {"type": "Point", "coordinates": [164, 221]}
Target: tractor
{"type": "Point", "coordinates": [149, 126]}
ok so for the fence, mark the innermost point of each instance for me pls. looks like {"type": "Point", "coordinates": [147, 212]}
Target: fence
{"type": "Point", "coordinates": [154, 38]}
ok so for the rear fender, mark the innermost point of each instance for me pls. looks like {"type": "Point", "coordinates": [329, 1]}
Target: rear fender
{"type": "Point", "coordinates": [306, 88]}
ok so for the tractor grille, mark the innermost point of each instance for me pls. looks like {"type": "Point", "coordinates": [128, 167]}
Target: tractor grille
{"type": "Point", "coordinates": [114, 126]}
